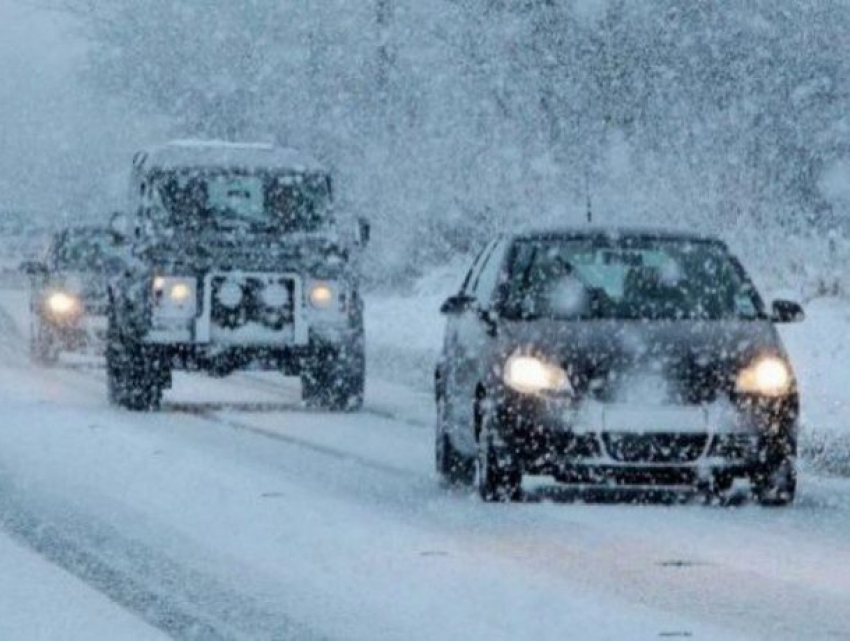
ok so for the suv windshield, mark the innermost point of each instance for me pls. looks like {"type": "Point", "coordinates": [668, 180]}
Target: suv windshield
{"type": "Point", "coordinates": [288, 202]}
{"type": "Point", "coordinates": [632, 279]}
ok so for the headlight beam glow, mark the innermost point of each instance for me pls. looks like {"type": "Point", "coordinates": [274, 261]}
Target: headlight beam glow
{"type": "Point", "coordinates": [533, 375]}
{"type": "Point", "coordinates": [768, 376]}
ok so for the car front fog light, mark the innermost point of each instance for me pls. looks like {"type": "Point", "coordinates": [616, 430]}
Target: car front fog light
{"type": "Point", "coordinates": [63, 304]}
{"type": "Point", "coordinates": [533, 375]}
{"type": "Point", "coordinates": [767, 376]}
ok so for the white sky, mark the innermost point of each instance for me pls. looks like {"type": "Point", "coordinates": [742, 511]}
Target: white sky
{"type": "Point", "coordinates": [61, 146]}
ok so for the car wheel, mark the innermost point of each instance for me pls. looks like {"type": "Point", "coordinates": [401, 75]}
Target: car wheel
{"type": "Point", "coordinates": [776, 485]}
{"type": "Point", "coordinates": [43, 348]}
{"type": "Point", "coordinates": [499, 478]}
{"type": "Point", "coordinates": [454, 468]}
{"type": "Point", "coordinates": [133, 381]}
{"type": "Point", "coordinates": [334, 379]}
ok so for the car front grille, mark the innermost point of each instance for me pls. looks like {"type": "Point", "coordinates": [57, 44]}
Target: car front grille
{"type": "Point", "coordinates": [655, 448]}
{"type": "Point", "coordinates": [253, 308]}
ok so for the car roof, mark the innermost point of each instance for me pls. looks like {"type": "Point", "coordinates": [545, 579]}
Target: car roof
{"type": "Point", "coordinates": [614, 233]}
{"type": "Point", "coordinates": [209, 154]}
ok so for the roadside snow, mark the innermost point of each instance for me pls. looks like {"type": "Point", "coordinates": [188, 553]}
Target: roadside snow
{"type": "Point", "coordinates": [40, 601]}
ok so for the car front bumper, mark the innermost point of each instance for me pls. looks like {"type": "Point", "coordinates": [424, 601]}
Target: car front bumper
{"type": "Point", "coordinates": [600, 442]}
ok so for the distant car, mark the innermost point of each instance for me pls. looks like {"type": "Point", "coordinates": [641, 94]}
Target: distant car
{"type": "Point", "coordinates": [69, 299]}
{"type": "Point", "coordinates": [615, 357]}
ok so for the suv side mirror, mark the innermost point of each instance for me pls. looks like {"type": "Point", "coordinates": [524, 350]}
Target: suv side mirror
{"type": "Point", "coordinates": [364, 231]}
{"type": "Point", "coordinates": [786, 311]}
{"type": "Point", "coordinates": [33, 268]}
{"type": "Point", "coordinates": [457, 304]}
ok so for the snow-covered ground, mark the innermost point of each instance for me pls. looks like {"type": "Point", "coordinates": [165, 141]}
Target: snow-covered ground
{"type": "Point", "coordinates": [41, 602]}
{"type": "Point", "coordinates": [236, 513]}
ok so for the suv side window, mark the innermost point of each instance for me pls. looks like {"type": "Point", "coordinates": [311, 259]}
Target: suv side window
{"type": "Point", "coordinates": [488, 277]}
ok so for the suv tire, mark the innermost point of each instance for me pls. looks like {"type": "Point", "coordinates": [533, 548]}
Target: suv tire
{"type": "Point", "coordinates": [334, 378]}
{"type": "Point", "coordinates": [133, 381]}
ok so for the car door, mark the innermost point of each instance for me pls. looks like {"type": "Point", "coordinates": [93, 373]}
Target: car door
{"type": "Point", "coordinates": [473, 345]}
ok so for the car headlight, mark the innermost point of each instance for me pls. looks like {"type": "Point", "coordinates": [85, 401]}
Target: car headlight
{"type": "Point", "coordinates": [63, 304]}
{"type": "Point", "coordinates": [175, 295]}
{"type": "Point", "coordinates": [322, 295]}
{"type": "Point", "coordinates": [533, 375]}
{"type": "Point", "coordinates": [767, 376]}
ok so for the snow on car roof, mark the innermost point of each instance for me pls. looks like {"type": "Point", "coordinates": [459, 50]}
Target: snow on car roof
{"type": "Point", "coordinates": [613, 232]}
{"type": "Point", "coordinates": [181, 154]}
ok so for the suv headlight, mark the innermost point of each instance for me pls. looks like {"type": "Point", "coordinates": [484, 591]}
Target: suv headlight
{"type": "Point", "coordinates": [323, 295]}
{"type": "Point", "coordinates": [175, 296]}
{"type": "Point", "coordinates": [533, 375]}
{"type": "Point", "coordinates": [766, 376]}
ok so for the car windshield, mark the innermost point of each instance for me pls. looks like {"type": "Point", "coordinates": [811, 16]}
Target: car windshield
{"type": "Point", "coordinates": [631, 279]}
{"type": "Point", "coordinates": [289, 202]}
{"type": "Point", "coordinates": [82, 250]}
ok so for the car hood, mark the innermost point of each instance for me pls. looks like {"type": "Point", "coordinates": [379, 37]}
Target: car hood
{"type": "Point", "coordinates": [637, 361]}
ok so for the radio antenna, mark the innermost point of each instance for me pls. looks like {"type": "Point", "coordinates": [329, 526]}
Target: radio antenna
{"type": "Point", "coordinates": [587, 194]}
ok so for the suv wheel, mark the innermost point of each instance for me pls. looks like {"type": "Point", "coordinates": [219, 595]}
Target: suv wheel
{"type": "Point", "coordinates": [454, 468]}
{"type": "Point", "coordinates": [132, 378]}
{"type": "Point", "coordinates": [499, 478]}
{"type": "Point", "coordinates": [334, 379]}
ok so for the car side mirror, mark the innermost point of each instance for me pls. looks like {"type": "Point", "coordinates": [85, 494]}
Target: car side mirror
{"type": "Point", "coordinates": [33, 268]}
{"type": "Point", "coordinates": [457, 304]}
{"type": "Point", "coordinates": [119, 225]}
{"type": "Point", "coordinates": [364, 231]}
{"type": "Point", "coordinates": [786, 311]}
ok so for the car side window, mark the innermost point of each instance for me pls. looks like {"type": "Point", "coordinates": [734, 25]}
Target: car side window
{"type": "Point", "coordinates": [472, 276]}
{"type": "Point", "coordinates": [488, 277]}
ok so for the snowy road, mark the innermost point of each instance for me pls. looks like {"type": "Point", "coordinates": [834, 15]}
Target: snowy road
{"type": "Point", "coordinates": [235, 513]}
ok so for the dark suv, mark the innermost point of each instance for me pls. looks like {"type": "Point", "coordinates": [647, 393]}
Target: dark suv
{"type": "Point", "coordinates": [235, 261]}
{"type": "Point", "coordinates": [615, 357]}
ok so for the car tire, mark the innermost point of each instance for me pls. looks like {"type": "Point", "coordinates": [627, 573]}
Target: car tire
{"type": "Point", "coordinates": [776, 484]}
{"type": "Point", "coordinates": [43, 348]}
{"type": "Point", "coordinates": [499, 479]}
{"type": "Point", "coordinates": [334, 379]}
{"type": "Point", "coordinates": [454, 469]}
{"type": "Point", "coordinates": [133, 380]}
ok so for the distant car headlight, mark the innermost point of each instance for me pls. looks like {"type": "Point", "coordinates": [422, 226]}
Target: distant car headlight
{"type": "Point", "coordinates": [767, 376]}
{"type": "Point", "coordinates": [532, 375]}
{"type": "Point", "coordinates": [175, 295]}
{"type": "Point", "coordinates": [63, 304]}
{"type": "Point", "coordinates": [322, 295]}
